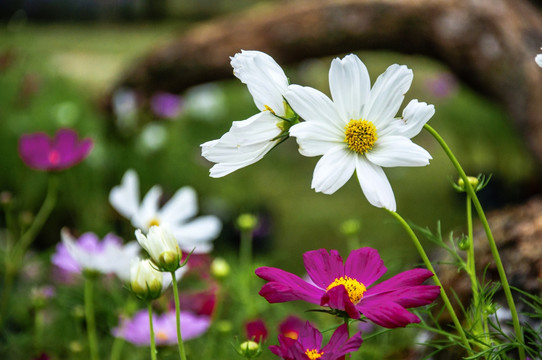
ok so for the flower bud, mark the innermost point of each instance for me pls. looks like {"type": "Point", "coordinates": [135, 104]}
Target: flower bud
{"type": "Point", "coordinates": [220, 268]}
{"type": "Point", "coordinates": [350, 227]}
{"type": "Point", "coordinates": [247, 222]}
{"type": "Point", "coordinates": [472, 180]}
{"type": "Point", "coordinates": [162, 247]}
{"type": "Point", "coordinates": [145, 280]}
{"type": "Point", "coordinates": [249, 349]}
{"type": "Point", "coordinates": [464, 243]}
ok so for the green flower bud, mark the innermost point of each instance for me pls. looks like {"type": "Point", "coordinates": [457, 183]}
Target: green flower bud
{"type": "Point", "coordinates": [464, 243]}
{"type": "Point", "coordinates": [249, 349]}
{"type": "Point", "coordinates": [220, 268]}
{"type": "Point", "coordinates": [247, 222]}
{"type": "Point", "coordinates": [350, 227]}
{"type": "Point", "coordinates": [145, 280]}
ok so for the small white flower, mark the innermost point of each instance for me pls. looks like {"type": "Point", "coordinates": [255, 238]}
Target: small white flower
{"type": "Point", "coordinates": [357, 130]}
{"type": "Point", "coordinates": [538, 59]}
{"type": "Point", "coordinates": [106, 257]}
{"type": "Point", "coordinates": [249, 140]}
{"type": "Point", "coordinates": [197, 233]}
{"type": "Point", "coordinates": [162, 247]}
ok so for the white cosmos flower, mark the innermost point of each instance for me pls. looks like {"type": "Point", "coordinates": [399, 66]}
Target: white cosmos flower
{"type": "Point", "coordinates": [162, 247]}
{"type": "Point", "coordinates": [177, 213]}
{"type": "Point", "coordinates": [147, 282]}
{"type": "Point", "coordinates": [357, 130]}
{"type": "Point", "coordinates": [249, 140]}
{"type": "Point", "coordinates": [108, 256]}
{"type": "Point", "coordinates": [538, 59]}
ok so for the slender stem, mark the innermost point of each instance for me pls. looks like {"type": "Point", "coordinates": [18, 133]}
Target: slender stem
{"type": "Point", "coordinates": [89, 317]}
{"type": "Point", "coordinates": [116, 348]}
{"type": "Point", "coordinates": [14, 256]}
{"type": "Point", "coordinates": [180, 343]}
{"type": "Point", "coordinates": [153, 345]}
{"type": "Point", "coordinates": [245, 255]}
{"type": "Point", "coordinates": [471, 264]}
{"type": "Point", "coordinates": [429, 266]}
{"type": "Point", "coordinates": [491, 240]}
{"type": "Point", "coordinates": [42, 215]}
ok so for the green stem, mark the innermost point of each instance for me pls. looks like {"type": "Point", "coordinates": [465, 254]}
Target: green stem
{"type": "Point", "coordinates": [116, 348]}
{"type": "Point", "coordinates": [42, 215]}
{"type": "Point", "coordinates": [89, 317]}
{"type": "Point", "coordinates": [245, 256]}
{"type": "Point", "coordinates": [491, 240]}
{"type": "Point", "coordinates": [153, 344]}
{"type": "Point", "coordinates": [180, 343]}
{"type": "Point", "coordinates": [429, 266]}
{"type": "Point", "coordinates": [14, 257]}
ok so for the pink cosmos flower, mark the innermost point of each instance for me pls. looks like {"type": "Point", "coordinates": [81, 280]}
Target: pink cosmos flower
{"type": "Point", "coordinates": [256, 330]}
{"type": "Point", "coordinates": [309, 345]}
{"type": "Point", "coordinates": [38, 151]}
{"type": "Point", "coordinates": [349, 287]}
{"type": "Point", "coordinates": [137, 331]}
{"type": "Point", "coordinates": [291, 327]}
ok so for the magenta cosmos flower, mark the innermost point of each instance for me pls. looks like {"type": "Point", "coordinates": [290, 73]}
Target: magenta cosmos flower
{"type": "Point", "coordinates": [137, 331]}
{"type": "Point", "coordinates": [309, 345]}
{"type": "Point", "coordinates": [349, 287]}
{"type": "Point", "coordinates": [38, 151]}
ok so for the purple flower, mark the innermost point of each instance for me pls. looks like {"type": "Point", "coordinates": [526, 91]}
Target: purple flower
{"type": "Point", "coordinates": [166, 105]}
{"type": "Point", "coordinates": [89, 253]}
{"type": "Point", "coordinates": [309, 345]}
{"type": "Point", "coordinates": [347, 287]}
{"type": "Point", "coordinates": [136, 330]}
{"type": "Point", "coordinates": [38, 151]}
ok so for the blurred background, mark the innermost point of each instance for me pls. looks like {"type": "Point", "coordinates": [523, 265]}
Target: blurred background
{"type": "Point", "coordinates": [59, 59]}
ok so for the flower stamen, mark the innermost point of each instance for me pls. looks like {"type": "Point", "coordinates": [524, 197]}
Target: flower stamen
{"type": "Point", "coordinates": [354, 288]}
{"type": "Point", "coordinates": [360, 135]}
{"type": "Point", "coordinates": [313, 354]}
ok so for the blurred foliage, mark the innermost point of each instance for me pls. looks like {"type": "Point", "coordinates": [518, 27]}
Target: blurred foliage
{"type": "Point", "coordinates": [55, 76]}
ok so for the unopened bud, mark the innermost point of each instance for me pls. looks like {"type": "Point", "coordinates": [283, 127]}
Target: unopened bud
{"type": "Point", "coordinates": [350, 227]}
{"type": "Point", "coordinates": [473, 181]}
{"type": "Point", "coordinates": [247, 222]}
{"type": "Point", "coordinates": [220, 268]}
{"type": "Point", "coordinates": [464, 243]}
{"type": "Point", "coordinates": [5, 198]}
{"type": "Point", "coordinates": [249, 349]}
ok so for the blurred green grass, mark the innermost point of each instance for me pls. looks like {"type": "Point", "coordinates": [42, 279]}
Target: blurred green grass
{"type": "Point", "coordinates": [69, 67]}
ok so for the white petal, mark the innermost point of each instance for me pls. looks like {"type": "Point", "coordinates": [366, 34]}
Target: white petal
{"type": "Point", "coordinates": [198, 233]}
{"type": "Point", "coordinates": [148, 211]}
{"type": "Point", "coordinates": [313, 105]}
{"type": "Point", "coordinates": [333, 170]}
{"type": "Point", "coordinates": [387, 95]}
{"type": "Point", "coordinates": [315, 138]}
{"type": "Point", "coordinates": [125, 197]}
{"type": "Point", "coordinates": [415, 115]}
{"type": "Point", "coordinates": [121, 263]}
{"type": "Point", "coordinates": [538, 59]}
{"type": "Point", "coordinates": [264, 78]}
{"type": "Point", "coordinates": [246, 143]}
{"type": "Point", "coordinates": [393, 151]}
{"type": "Point", "coordinates": [374, 184]}
{"type": "Point", "coordinates": [350, 85]}
{"type": "Point", "coordinates": [182, 206]}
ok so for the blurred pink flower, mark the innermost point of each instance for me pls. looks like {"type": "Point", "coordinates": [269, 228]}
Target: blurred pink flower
{"type": "Point", "coordinates": [166, 105]}
{"type": "Point", "coordinates": [136, 330]}
{"type": "Point", "coordinates": [291, 327]}
{"type": "Point", "coordinates": [256, 330]}
{"type": "Point", "coordinates": [40, 152]}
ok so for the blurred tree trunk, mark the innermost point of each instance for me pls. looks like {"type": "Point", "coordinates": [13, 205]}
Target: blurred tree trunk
{"type": "Point", "coordinates": [489, 44]}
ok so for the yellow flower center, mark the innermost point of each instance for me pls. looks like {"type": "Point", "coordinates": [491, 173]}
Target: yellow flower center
{"type": "Point", "coordinates": [153, 222]}
{"type": "Point", "coordinates": [292, 335]}
{"type": "Point", "coordinates": [354, 288]}
{"type": "Point", "coordinates": [314, 354]}
{"type": "Point", "coordinates": [161, 335]}
{"type": "Point", "coordinates": [360, 135]}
